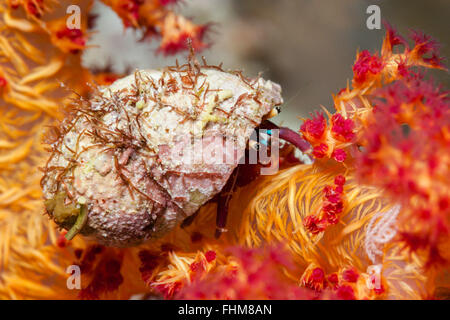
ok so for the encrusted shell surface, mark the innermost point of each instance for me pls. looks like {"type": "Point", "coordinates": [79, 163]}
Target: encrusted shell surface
{"type": "Point", "coordinates": [131, 152]}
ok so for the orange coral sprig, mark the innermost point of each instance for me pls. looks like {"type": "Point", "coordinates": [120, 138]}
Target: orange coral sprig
{"type": "Point", "coordinates": [329, 140]}
{"type": "Point", "coordinates": [33, 8]}
{"type": "Point", "coordinates": [156, 18]}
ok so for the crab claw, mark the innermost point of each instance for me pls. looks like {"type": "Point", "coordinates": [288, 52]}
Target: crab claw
{"type": "Point", "coordinates": [287, 134]}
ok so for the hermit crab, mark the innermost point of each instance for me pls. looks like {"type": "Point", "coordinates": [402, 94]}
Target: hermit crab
{"type": "Point", "coordinates": [145, 153]}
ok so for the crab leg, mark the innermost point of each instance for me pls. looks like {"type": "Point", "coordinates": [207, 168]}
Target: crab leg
{"type": "Point", "coordinates": [188, 221]}
{"type": "Point", "coordinates": [223, 203]}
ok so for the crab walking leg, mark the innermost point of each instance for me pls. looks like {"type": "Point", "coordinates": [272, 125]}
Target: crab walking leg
{"type": "Point", "coordinates": [287, 134]}
{"type": "Point", "coordinates": [223, 203]}
{"type": "Point", "coordinates": [188, 221]}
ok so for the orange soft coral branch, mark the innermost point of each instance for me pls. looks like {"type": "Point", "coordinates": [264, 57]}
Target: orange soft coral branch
{"type": "Point", "coordinates": [68, 40]}
{"type": "Point", "coordinates": [406, 167]}
{"type": "Point", "coordinates": [156, 18]}
{"type": "Point", "coordinates": [417, 170]}
{"type": "Point", "coordinates": [353, 106]}
{"type": "Point", "coordinates": [33, 8]}
{"type": "Point", "coordinates": [31, 99]}
{"type": "Point", "coordinates": [184, 269]}
{"type": "Point", "coordinates": [405, 164]}
{"type": "Point", "coordinates": [137, 13]}
{"type": "Point", "coordinates": [177, 31]}
{"type": "Point", "coordinates": [329, 140]}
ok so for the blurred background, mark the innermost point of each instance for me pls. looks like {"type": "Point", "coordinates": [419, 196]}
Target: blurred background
{"type": "Point", "coordinates": [306, 46]}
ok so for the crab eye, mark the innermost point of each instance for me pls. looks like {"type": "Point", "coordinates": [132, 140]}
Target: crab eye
{"type": "Point", "coordinates": [274, 112]}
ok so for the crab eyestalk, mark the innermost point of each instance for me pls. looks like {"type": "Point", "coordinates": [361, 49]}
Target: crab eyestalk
{"type": "Point", "coordinates": [79, 223]}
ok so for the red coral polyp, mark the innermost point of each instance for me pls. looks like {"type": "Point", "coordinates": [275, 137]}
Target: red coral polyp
{"type": "Point", "coordinates": [314, 128]}
{"type": "Point", "coordinates": [366, 66]}
{"type": "Point", "coordinates": [35, 7]}
{"type": "Point", "coordinates": [3, 83]}
{"type": "Point", "coordinates": [342, 129]}
{"type": "Point", "coordinates": [331, 209]}
{"type": "Point", "coordinates": [167, 2]}
{"type": "Point", "coordinates": [210, 255]}
{"type": "Point", "coordinates": [346, 292]}
{"type": "Point", "coordinates": [339, 180]}
{"type": "Point", "coordinates": [339, 155]}
{"type": "Point", "coordinates": [314, 279]}
{"type": "Point", "coordinates": [320, 151]}
{"type": "Point", "coordinates": [131, 9]}
{"type": "Point", "coordinates": [393, 38]}
{"type": "Point", "coordinates": [74, 35]}
{"type": "Point", "coordinates": [424, 44]}
{"type": "Point", "coordinates": [314, 224]}
{"type": "Point", "coordinates": [350, 275]}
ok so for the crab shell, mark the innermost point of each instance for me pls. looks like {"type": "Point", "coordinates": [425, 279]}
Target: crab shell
{"type": "Point", "coordinates": [131, 153]}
